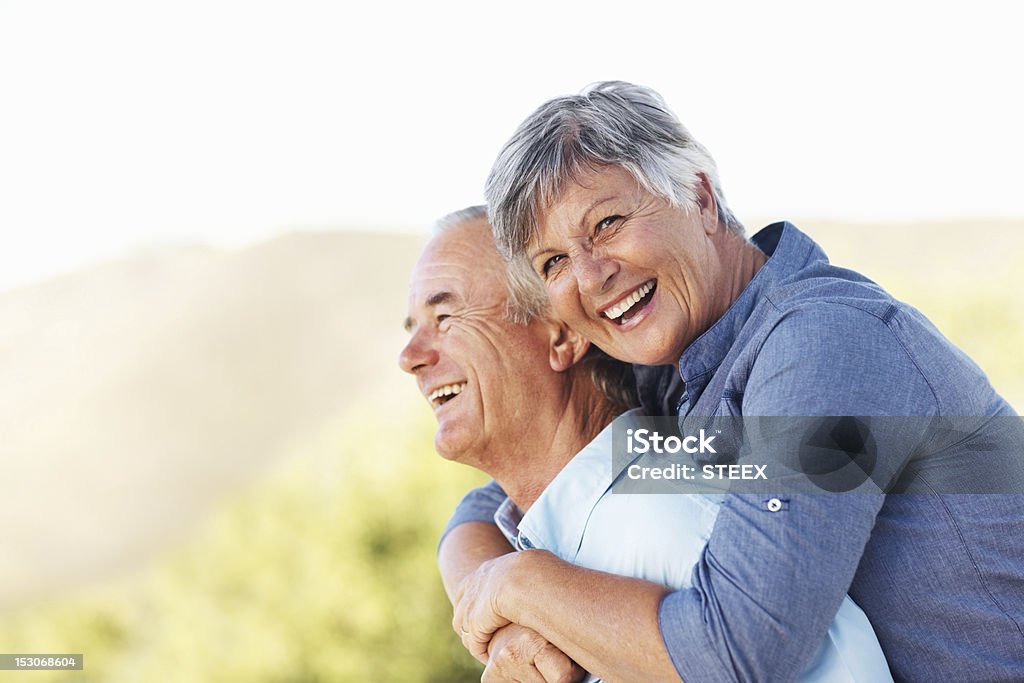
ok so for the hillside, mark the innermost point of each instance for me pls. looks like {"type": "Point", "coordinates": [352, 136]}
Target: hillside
{"type": "Point", "coordinates": [137, 392]}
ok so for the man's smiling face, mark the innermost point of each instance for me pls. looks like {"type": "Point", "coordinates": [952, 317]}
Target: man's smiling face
{"type": "Point", "coordinates": [477, 369]}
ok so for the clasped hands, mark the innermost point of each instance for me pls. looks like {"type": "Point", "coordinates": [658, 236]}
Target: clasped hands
{"type": "Point", "coordinates": [484, 619]}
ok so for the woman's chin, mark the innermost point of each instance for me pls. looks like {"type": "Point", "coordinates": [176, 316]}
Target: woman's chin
{"type": "Point", "coordinates": [644, 344]}
{"type": "Point", "coordinates": [644, 354]}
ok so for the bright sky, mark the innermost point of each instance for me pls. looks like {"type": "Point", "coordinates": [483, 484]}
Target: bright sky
{"type": "Point", "coordinates": [126, 124]}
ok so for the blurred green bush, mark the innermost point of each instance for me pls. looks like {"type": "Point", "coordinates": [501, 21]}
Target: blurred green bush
{"type": "Point", "coordinates": [323, 572]}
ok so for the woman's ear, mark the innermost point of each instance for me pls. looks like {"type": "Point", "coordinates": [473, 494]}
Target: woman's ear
{"type": "Point", "coordinates": [566, 348]}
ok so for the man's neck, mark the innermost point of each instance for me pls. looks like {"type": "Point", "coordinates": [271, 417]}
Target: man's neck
{"type": "Point", "coordinates": [538, 459]}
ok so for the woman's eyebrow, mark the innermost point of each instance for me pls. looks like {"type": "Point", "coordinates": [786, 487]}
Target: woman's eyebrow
{"type": "Point", "coordinates": [594, 205]}
{"type": "Point", "coordinates": [541, 249]}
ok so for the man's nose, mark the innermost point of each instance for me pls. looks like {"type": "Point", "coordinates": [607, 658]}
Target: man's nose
{"type": "Point", "coordinates": [419, 352]}
{"type": "Point", "coordinates": [594, 272]}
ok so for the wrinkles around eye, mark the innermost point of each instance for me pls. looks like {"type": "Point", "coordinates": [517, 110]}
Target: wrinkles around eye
{"type": "Point", "coordinates": [551, 264]}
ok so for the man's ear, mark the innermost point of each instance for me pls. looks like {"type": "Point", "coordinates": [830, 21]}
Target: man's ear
{"type": "Point", "coordinates": [566, 347]}
{"type": "Point", "coordinates": [707, 203]}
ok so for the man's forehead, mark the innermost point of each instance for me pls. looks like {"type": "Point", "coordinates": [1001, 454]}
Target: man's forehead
{"type": "Point", "coordinates": [435, 292]}
{"type": "Point", "coordinates": [457, 267]}
{"type": "Point", "coordinates": [453, 275]}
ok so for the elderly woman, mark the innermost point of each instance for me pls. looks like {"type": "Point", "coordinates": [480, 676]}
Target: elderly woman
{"type": "Point", "coordinates": [618, 210]}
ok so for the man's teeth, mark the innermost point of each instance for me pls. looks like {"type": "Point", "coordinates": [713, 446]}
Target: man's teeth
{"type": "Point", "coordinates": [446, 390]}
{"type": "Point", "coordinates": [627, 303]}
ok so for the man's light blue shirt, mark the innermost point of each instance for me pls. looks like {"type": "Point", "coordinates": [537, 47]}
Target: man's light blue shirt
{"type": "Point", "coordinates": [660, 538]}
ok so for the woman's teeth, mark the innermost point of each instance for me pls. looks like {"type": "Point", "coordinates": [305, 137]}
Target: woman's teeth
{"type": "Point", "coordinates": [620, 308]}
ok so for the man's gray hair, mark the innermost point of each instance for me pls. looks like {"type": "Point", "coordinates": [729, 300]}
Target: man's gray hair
{"type": "Point", "coordinates": [611, 123]}
{"type": "Point", "coordinates": [470, 213]}
{"type": "Point", "coordinates": [528, 300]}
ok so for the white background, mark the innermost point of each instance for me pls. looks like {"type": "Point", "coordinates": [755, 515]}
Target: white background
{"type": "Point", "coordinates": [129, 124]}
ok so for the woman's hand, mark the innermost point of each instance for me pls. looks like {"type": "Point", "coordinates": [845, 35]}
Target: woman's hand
{"type": "Point", "coordinates": [522, 655]}
{"type": "Point", "coordinates": [579, 611]}
{"type": "Point", "coordinates": [478, 609]}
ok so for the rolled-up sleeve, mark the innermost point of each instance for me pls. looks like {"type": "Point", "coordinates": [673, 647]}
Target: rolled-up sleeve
{"type": "Point", "coordinates": [767, 586]}
{"type": "Point", "coordinates": [776, 568]}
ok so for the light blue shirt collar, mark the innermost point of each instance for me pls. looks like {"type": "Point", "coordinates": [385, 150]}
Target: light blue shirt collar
{"type": "Point", "coordinates": [559, 517]}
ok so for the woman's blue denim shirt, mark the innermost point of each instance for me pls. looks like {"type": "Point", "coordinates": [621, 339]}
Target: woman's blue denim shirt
{"type": "Point", "coordinates": [941, 577]}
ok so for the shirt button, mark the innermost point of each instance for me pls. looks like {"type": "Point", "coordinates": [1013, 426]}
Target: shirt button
{"type": "Point", "coordinates": [774, 505]}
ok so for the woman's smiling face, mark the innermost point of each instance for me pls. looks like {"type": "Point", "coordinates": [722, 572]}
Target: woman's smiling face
{"type": "Point", "coordinates": [636, 275]}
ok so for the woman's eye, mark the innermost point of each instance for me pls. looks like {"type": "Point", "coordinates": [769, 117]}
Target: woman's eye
{"type": "Point", "coordinates": [551, 263]}
{"type": "Point", "coordinates": [607, 223]}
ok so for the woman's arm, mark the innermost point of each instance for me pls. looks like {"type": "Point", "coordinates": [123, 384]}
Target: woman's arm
{"type": "Point", "coordinates": [516, 653]}
{"type": "Point", "coordinates": [464, 548]}
{"type": "Point", "coordinates": [607, 623]}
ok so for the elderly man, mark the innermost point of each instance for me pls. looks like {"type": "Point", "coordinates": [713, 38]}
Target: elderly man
{"type": "Point", "coordinates": [519, 396]}
{"type": "Point", "coordinates": [610, 201]}
{"type": "Point", "coordinates": [508, 389]}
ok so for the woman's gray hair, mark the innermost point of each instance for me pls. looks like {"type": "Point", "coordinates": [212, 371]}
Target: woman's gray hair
{"type": "Point", "coordinates": [528, 300]}
{"type": "Point", "coordinates": [611, 123]}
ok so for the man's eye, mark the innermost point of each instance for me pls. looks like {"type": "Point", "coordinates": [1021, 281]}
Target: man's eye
{"type": "Point", "coordinates": [442, 317]}
{"type": "Point", "coordinates": [551, 263]}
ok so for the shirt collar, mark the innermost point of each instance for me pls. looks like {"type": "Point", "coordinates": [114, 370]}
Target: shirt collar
{"type": "Point", "coordinates": [558, 518]}
{"type": "Point", "coordinates": [507, 518]}
{"type": "Point", "coordinates": [788, 251]}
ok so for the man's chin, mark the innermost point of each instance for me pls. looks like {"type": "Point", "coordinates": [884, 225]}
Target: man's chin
{"type": "Point", "coordinates": [449, 448]}
{"type": "Point", "coordinates": [464, 449]}
{"type": "Point", "coordinates": [452, 457]}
